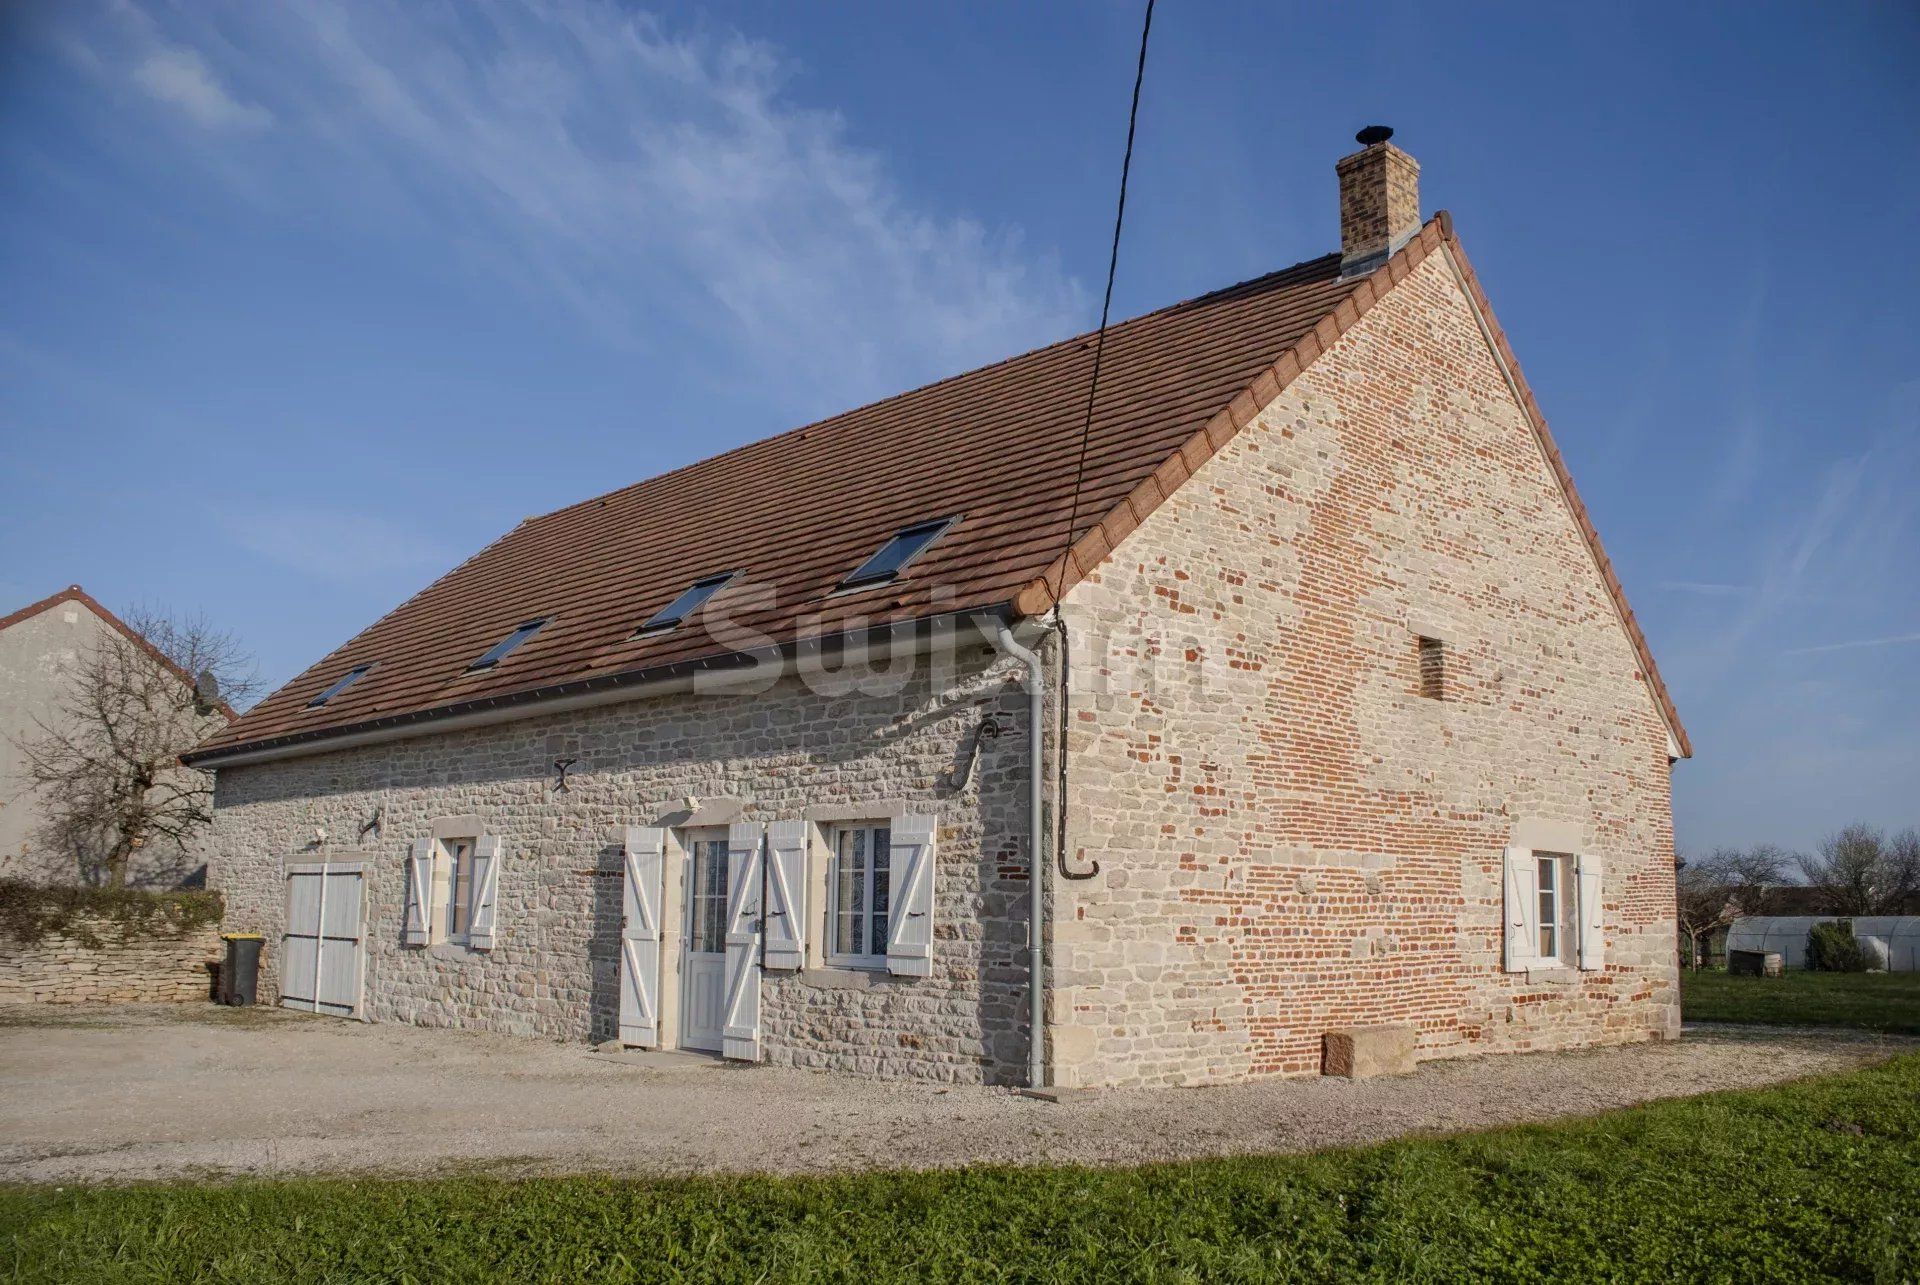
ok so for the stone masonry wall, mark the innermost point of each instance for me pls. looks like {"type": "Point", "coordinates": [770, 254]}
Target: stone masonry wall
{"type": "Point", "coordinates": [1302, 841]}
{"type": "Point", "coordinates": [554, 970]}
{"type": "Point", "coordinates": [63, 968]}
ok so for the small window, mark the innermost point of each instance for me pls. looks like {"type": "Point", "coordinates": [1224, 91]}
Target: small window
{"type": "Point", "coordinates": [1555, 918]}
{"type": "Point", "coordinates": [686, 604]}
{"type": "Point", "coordinates": [340, 684]}
{"type": "Point", "coordinates": [1433, 668]}
{"type": "Point", "coordinates": [858, 896]}
{"type": "Point", "coordinates": [498, 652]}
{"type": "Point", "coordinates": [893, 557]}
{"type": "Point", "coordinates": [459, 858]}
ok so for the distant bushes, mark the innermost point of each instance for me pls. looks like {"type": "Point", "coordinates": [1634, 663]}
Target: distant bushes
{"type": "Point", "coordinates": [1832, 948]}
{"type": "Point", "coordinates": [31, 911]}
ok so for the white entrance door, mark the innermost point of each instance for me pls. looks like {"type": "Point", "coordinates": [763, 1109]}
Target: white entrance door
{"type": "Point", "coordinates": [323, 954]}
{"type": "Point", "coordinates": [703, 956]}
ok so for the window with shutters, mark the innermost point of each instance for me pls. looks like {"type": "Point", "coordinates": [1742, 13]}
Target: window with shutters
{"type": "Point", "coordinates": [858, 901]}
{"type": "Point", "coordinates": [1554, 917]}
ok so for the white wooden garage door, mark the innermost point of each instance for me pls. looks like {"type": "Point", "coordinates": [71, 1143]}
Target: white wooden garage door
{"type": "Point", "coordinates": [323, 955]}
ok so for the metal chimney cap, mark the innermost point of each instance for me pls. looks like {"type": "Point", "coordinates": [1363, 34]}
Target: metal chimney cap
{"type": "Point", "coordinates": [1373, 134]}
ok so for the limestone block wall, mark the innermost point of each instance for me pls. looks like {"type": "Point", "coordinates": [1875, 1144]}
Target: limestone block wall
{"type": "Point", "coordinates": [90, 964]}
{"type": "Point", "coordinates": [1293, 837]}
{"type": "Point", "coordinates": [554, 970]}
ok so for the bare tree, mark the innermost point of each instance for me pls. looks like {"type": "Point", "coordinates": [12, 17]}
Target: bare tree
{"type": "Point", "coordinates": [1712, 892]}
{"type": "Point", "coordinates": [106, 761]}
{"type": "Point", "coordinates": [1859, 872]}
{"type": "Point", "coordinates": [1753, 874]}
{"type": "Point", "coordinates": [1903, 870]}
{"type": "Point", "coordinates": [1701, 906]}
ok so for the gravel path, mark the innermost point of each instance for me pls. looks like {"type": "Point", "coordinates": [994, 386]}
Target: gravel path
{"type": "Point", "coordinates": [153, 1092]}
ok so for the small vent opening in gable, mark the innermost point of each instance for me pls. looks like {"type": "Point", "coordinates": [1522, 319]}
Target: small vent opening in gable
{"type": "Point", "coordinates": [1433, 668]}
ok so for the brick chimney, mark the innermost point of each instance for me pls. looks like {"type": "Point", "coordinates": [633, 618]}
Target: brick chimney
{"type": "Point", "coordinates": [1379, 201]}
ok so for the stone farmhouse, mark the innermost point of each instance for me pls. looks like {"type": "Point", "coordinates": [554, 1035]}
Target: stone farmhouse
{"type": "Point", "coordinates": [939, 739]}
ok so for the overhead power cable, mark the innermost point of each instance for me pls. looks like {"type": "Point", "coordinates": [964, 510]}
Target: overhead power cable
{"type": "Point", "coordinates": [1106, 305]}
{"type": "Point", "coordinates": [1067, 870]}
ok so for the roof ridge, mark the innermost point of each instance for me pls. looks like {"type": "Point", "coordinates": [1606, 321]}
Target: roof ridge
{"type": "Point", "coordinates": [72, 593]}
{"type": "Point", "coordinates": [1085, 554]}
{"type": "Point", "coordinates": [1084, 336]}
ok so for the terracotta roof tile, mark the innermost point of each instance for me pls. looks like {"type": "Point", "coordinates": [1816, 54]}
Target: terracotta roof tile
{"type": "Point", "coordinates": [997, 448]}
{"type": "Point", "coordinates": [796, 513]}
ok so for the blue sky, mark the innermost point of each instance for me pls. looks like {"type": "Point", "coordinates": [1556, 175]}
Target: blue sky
{"type": "Point", "coordinates": [304, 303]}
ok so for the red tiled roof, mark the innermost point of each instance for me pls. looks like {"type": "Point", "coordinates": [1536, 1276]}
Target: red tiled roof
{"type": "Point", "coordinates": [997, 447]}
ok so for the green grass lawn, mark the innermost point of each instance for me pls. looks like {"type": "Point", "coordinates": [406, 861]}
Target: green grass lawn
{"type": "Point", "coordinates": [1814, 1180]}
{"type": "Point", "coordinates": [1872, 1001]}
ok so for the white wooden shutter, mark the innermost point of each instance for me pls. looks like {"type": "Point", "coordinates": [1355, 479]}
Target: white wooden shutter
{"type": "Point", "coordinates": [910, 890]}
{"type": "Point", "coordinates": [1593, 923]}
{"type": "Point", "coordinates": [786, 919]}
{"type": "Point", "coordinates": [1523, 909]}
{"type": "Point", "coordinates": [643, 863]}
{"type": "Point", "coordinates": [416, 929]}
{"type": "Point", "coordinates": [488, 855]}
{"type": "Point", "coordinates": [740, 1034]}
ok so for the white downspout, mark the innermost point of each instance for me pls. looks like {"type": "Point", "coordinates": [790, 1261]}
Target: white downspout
{"type": "Point", "coordinates": [1036, 848]}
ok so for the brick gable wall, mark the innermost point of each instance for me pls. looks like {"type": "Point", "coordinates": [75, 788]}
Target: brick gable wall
{"type": "Point", "coordinates": [1292, 837]}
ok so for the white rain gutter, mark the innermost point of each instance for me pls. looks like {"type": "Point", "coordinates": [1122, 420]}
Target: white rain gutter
{"type": "Point", "coordinates": [1037, 865]}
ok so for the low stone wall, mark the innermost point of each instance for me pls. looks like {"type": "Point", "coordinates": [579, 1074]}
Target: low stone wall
{"type": "Point", "coordinates": [69, 968]}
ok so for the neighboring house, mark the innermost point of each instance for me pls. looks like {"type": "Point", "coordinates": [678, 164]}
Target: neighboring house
{"type": "Point", "coordinates": [41, 646]}
{"type": "Point", "coordinates": [1358, 727]}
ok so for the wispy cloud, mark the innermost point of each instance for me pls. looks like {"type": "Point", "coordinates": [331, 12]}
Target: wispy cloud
{"type": "Point", "coordinates": [664, 185]}
{"type": "Point", "coordinates": [1707, 589]}
{"type": "Point", "coordinates": [1852, 644]}
{"type": "Point", "coordinates": [1744, 433]}
{"type": "Point", "coordinates": [1830, 554]}
{"type": "Point", "coordinates": [337, 545]}
{"type": "Point", "coordinates": [181, 77]}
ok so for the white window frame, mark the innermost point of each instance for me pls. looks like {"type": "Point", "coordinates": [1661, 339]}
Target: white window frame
{"type": "Point", "coordinates": [1562, 896]}
{"type": "Point", "coordinates": [694, 901]}
{"type": "Point", "coordinates": [1549, 893]}
{"type": "Point", "coordinates": [447, 874]}
{"type": "Point", "coordinates": [879, 860]}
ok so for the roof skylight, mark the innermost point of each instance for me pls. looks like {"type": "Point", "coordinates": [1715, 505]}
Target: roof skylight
{"type": "Point", "coordinates": [907, 544]}
{"type": "Point", "coordinates": [498, 652]}
{"type": "Point", "coordinates": [686, 604]}
{"type": "Point", "coordinates": [340, 684]}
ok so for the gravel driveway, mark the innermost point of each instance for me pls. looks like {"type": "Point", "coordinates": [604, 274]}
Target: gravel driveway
{"type": "Point", "coordinates": [150, 1092]}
